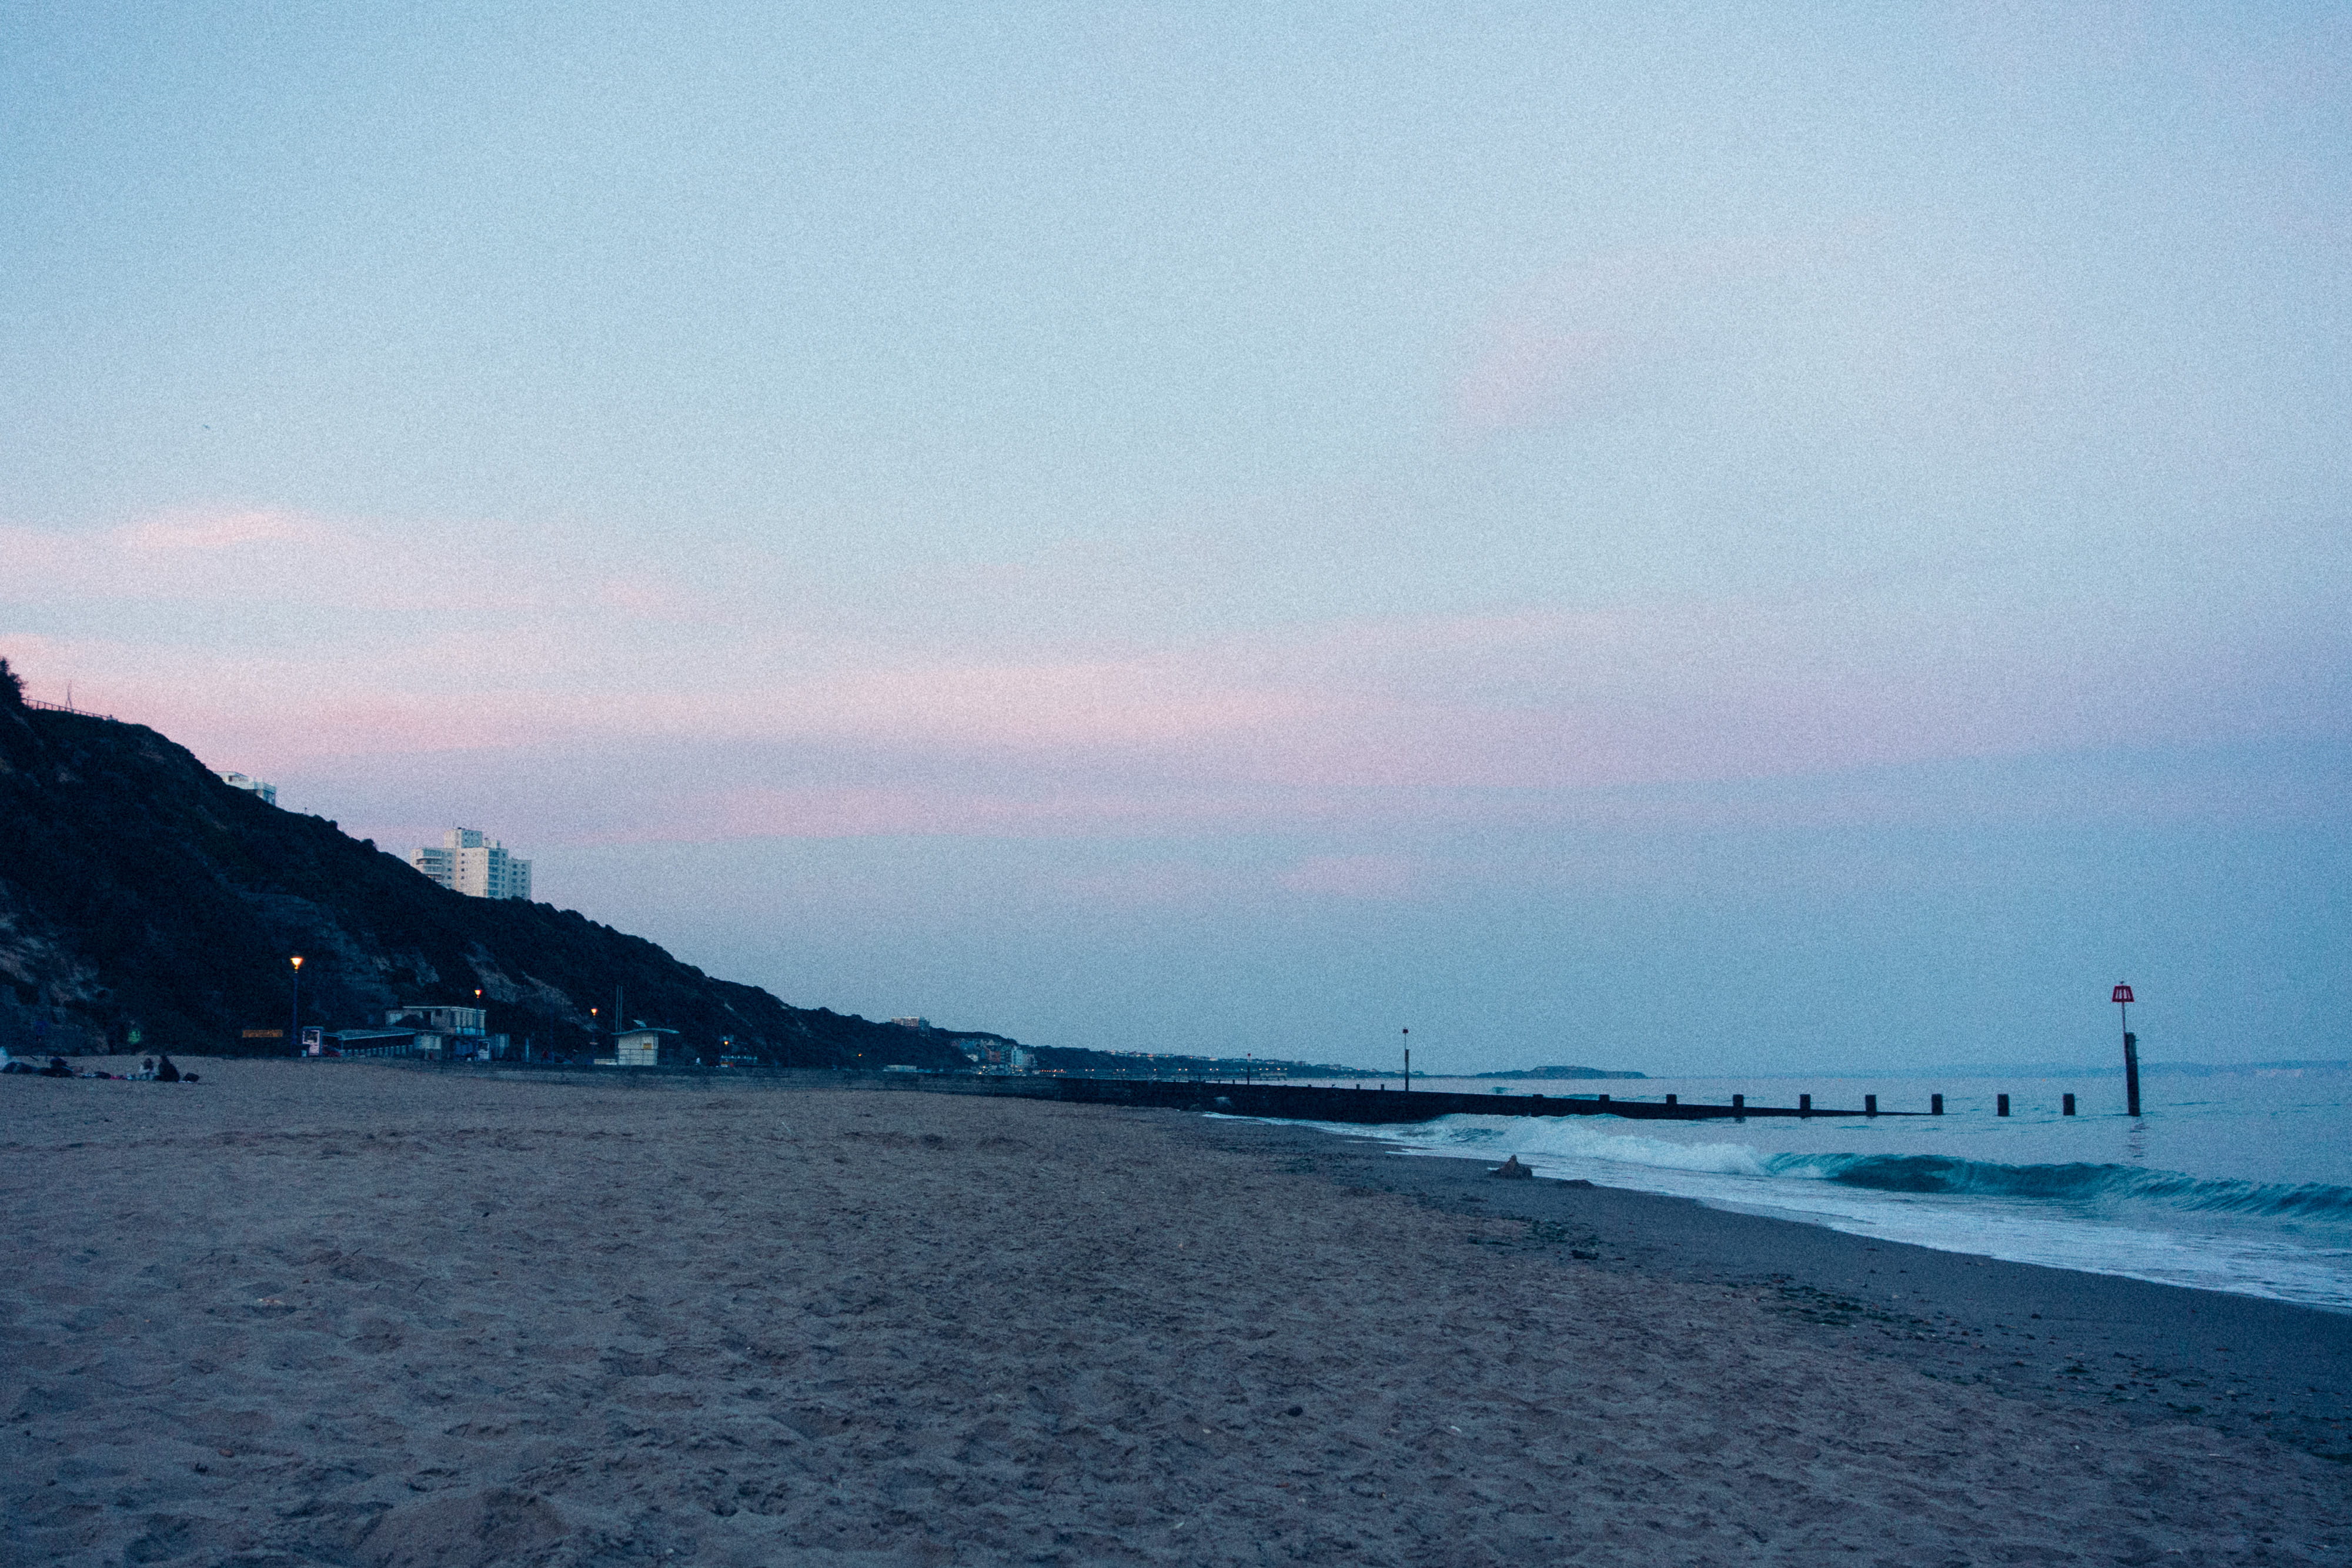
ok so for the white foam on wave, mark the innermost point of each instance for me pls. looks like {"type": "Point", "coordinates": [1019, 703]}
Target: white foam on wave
{"type": "Point", "coordinates": [1537, 1138]}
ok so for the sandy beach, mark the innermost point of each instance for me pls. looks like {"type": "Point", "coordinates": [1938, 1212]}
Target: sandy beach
{"type": "Point", "coordinates": [349, 1314]}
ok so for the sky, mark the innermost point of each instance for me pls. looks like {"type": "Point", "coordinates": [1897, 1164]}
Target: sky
{"type": "Point", "coordinates": [1710, 538]}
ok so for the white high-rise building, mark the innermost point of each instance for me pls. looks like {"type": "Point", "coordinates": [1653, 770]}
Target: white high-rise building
{"type": "Point", "coordinates": [475, 865]}
{"type": "Point", "coordinates": [254, 786]}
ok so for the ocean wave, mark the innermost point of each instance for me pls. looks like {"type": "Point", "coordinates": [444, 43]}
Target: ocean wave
{"type": "Point", "coordinates": [2077, 1183]}
{"type": "Point", "coordinates": [2078, 1186]}
{"type": "Point", "coordinates": [1566, 1138]}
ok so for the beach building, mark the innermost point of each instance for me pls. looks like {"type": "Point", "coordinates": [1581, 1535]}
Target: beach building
{"type": "Point", "coordinates": [638, 1047]}
{"type": "Point", "coordinates": [446, 1033]}
{"type": "Point", "coordinates": [469, 862]}
{"type": "Point", "coordinates": [423, 1043]}
{"type": "Point", "coordinates": [442, 1020]}
{"type": "Point", "coordinates": [250, 785]}
{"type": "Point", "coordinates": [385, 1042]}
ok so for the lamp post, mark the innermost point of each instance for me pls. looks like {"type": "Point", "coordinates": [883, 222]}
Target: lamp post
{"type": "Point", "coordinates": [1408, 1062]}
{"type": "Point", "coordinates": [294, 1027]}
{"type": "Point", "coordinates": [2122, 997]}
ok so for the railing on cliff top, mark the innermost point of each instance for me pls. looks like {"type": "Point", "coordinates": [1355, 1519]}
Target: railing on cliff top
{"type": "Point", "coordinates": [69, 707]}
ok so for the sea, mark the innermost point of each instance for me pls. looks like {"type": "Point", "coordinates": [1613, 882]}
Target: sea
{"type": "Point", "coordinates": [2237, 1181]}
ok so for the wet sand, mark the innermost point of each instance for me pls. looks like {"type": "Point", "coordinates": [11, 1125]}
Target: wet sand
{"type": "Point", "coordinates": [356, 1313]}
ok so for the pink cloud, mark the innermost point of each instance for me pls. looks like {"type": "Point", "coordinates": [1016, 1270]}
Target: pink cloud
{"type": "Point", "coordinates": [199, 530]}
{"type": "Point", "coordinates": [925, 811]}
{"type": "Point", "coordinates": [1170, 700]}
{"type": "Point", "coordinates": [315, 646]}
{"type": "Point", "coordinates": [643, 593]}
{"type": "Point", "coordinates": [1218, 730]}
{"type": "Point", "coordinates": [263, 561]}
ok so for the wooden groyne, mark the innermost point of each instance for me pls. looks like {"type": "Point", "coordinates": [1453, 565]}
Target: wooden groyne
{"type": "Point", "coordinates": [1289, 1102]}
{"type": "Point", "coordinates": [1304, 1102]}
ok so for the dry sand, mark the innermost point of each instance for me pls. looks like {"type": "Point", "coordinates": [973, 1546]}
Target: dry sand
{"type": "Point", "coordinates": [352, 1313]}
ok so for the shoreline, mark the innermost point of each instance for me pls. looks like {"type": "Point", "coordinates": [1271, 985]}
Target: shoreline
{"type": "Point", "coordinates": [1946, 1313]}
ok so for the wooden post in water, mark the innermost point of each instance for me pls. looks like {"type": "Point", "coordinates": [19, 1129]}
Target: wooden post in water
{"type": "Point", "coordinates": [1870, 1104]}
{"type": "Point", "coordinates": [1408, 1062]}
{"type": "Point", "coordinates": [1671, 1100]}
{"type": "Point", "coordinates": [2000, 1104]}
{"type": "Point", "coordinates": [1934, 1104]}
{"type": "Point", "coordinates": [2122, 997]}
{"type": "Point", "coordinates": [1739, 1102]}
{"type": "Point", "coordinates": [1804, 1105]}
{"type": "Point", "coordinates": [2069, 1106]}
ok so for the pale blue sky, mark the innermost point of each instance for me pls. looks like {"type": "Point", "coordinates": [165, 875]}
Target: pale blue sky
{"type": "Point", "coordinates": [1210, 529]}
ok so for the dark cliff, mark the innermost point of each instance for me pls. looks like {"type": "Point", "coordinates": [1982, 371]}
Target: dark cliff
{"type": "Point", "coordinates": [137, 891]}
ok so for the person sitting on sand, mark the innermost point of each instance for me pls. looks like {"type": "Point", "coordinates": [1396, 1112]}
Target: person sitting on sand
{"type": "Point", "coordinates": [57, 1069]}
{"type": "Point", "coordinates": [165, 1071]}
{"type": "Point", "coordinates": [146, 1073]}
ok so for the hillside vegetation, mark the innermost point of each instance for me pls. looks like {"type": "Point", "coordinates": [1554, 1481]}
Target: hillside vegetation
{"type": "Point", "coordinates": [139, 892]}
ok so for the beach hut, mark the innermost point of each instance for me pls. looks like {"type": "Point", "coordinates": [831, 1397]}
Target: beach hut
{"type": "Point", "coordinates": [638, 1047]}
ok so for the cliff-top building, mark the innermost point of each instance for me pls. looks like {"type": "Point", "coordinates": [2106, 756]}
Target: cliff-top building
{"type": "Point", "coordinates": [475, 865]}
{"type": "Point", "coordinates": [252, 786]}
